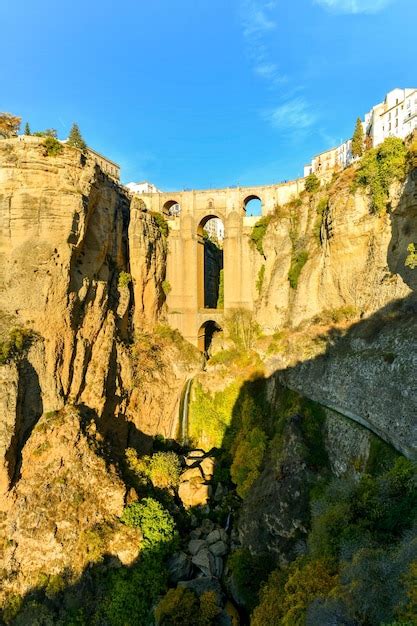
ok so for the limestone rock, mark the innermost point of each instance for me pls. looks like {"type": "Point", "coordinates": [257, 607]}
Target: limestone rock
{"type": "Point", "coordinates": [218, 549]}
{"type": "Point", "coordinates": [179, 567]}
{"type": "Point", "coordinates": [195, 545]}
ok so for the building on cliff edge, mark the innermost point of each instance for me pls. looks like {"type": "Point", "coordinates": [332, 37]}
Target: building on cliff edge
{"type": "Point", "coordinates": [396, 116]}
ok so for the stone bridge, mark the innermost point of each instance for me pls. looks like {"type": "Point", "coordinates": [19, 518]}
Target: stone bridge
{"type": "Point", "coordinates": [187, 213]}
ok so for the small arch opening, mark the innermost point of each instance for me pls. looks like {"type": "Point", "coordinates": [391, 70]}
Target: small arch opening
{"type": "Point", "coordinates": [206, 334]}
{"type": "Point", "coordinates": [253, 206]}
{"type": "Point", "coordinates": [171, 208]}
{"type": "Point", "coordinates": [210, 263]}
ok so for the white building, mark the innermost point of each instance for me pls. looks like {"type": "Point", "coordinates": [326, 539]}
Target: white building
{"type": "Point", "coordinates": [396, 116]}
{"type": "Point", "coordinates": [143, 187]}
{"type": "Point", "coordinates": [215, 229]}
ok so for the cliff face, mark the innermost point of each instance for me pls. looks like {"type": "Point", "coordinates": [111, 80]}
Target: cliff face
{"type": "Point", "coordinates": [354, 258]}
{"type": "Point", "coordinates": [64, 263]}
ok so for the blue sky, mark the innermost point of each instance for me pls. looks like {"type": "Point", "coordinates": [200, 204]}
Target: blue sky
{"type": "Point", "coordinates": [204, 93]}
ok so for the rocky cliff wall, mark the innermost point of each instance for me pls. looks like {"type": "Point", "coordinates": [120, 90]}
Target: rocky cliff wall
{"type": "Point", "coordinates": [69, 277]}
{"type": "Point", "coordinates": [355, 258]}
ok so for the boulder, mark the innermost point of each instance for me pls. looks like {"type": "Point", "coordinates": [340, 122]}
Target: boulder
{"type": "Point", "coordinates": [213, 536]}
{"type": "Point", "coordinates": [179, 567]}
{"type": "Point", "coordinates": [194, 493]}
{"type": "Point", "coordinates": [207, 467]}
{"type": "Point", "coordinates": [195, 545]}
{"type": "Point", "coordinates": [207, 526]}
{"type": "Point", "coordinates": [205, 562]}
{"type": "Point", "coordinates": [218, 549]}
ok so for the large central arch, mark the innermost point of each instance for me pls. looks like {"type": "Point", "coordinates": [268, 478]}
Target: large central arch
{"type": "Point", "coordinates": [210, 265]}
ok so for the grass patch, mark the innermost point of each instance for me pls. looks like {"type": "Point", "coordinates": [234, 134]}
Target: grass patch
{"type": "Point", "coordinates": [258, 233]}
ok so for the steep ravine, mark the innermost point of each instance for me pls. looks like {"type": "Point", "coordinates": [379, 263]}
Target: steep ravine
{"type": "Point", "coordinates": [102, 511]}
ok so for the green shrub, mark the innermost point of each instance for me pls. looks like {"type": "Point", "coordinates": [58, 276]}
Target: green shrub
{"type": "Point", "coordinates": [249, 572]}
{"type": "Point", "coordinates": [258, 233]}
{"type": "Point", "coordinates": [166, 287]}
{"type": "Point", "coordinates": [15, 344]}
{"type": "Point", "coordinates": [260, 279]}
{"type": "Point", "coordinates": [53, 147]}
{"type": "Point", "coordinates": [411, 260]}
{"type": "Point", "coordinates": [298, 260]}
{"type": "Point", "coordinates": [312, 183]}
{"type": "Point", "coordinates": [242, 328]}
{"type": "Point", "coordinates": [156, 524]}
{"type": "Point", "coordinates": [379, 167]}
{"type": "Point", "coordinates": [220, 298]}
{"type": "Point", "coordinates": [160, 222]}
{"type": "Point", "coordinates": [124, 280]}
{"type": "Point", "coordinates": [165, 470]}
{"type": "Point", "coordinates": [179, 607]}
{"type": "Point", "coordinates": [247, 460]}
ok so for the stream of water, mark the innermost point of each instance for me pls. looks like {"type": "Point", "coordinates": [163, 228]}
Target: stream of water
{"type": "Point", "coordinates": [184, 412]}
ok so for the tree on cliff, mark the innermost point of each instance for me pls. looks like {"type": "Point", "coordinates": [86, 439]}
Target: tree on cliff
{"type": "Point", "coordinates": [357, 139]}
{"type": "Point", "coordinates": [9, 125]}
{"type": "Point", "coordinates": [75, 139]}
{"type": "Point", "coordinates": [27, 129]}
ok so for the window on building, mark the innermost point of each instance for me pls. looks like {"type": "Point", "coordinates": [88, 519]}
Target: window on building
{"type": "Point", "coordinates": [389, 127]}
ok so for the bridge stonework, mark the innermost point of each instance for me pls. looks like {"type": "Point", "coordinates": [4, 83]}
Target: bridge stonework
{"type": "Point", "coordinates": [185, 264]}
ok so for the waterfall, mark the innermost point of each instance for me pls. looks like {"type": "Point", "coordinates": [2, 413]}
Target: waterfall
{"type": "Point", "coordinates": [184, 406]}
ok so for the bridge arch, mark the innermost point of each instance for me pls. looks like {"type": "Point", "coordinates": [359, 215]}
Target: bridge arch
{"type": "Point", "coordinates": [210, 282]}
{"type": "Point", "coordinates": [171, 207]}
{"type": "Point", "coordinates": [206, 333]}
{"type": "Point", "coordinates": [252, 204]}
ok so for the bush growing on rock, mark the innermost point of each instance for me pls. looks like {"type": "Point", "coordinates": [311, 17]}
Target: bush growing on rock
{"type": "Point", "coordinates": [258, 233]}
{"type": "Point", "coordinates": [312, 183]}
{"type": "Point", "coordinates": [378, 169]}
{"type": "Point", "coordinates": [181, 607]}
{"type": "Point", "coordinates": [163, 469]}
{"type": "Point", "coordinates": [156, 524]}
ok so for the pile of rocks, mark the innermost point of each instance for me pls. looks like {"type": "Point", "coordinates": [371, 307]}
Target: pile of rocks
{"type": "Point", "coordinates": [203, 556]}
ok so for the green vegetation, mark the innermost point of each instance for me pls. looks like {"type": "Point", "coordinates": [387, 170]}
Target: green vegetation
{"type": "Point", "coordinates": [361, 562]}
{"type": "Point", "coordinates": [220, 298]}
{"type": "Point", "coordinates": [258, 233]}
{"type": "Point", "coordinates": [358, 139]}
{"type": "Point", "coordinates": [48, 132]}
{"type": "Point", "coordinates": [156, 524]}
{"type": "Point", "coordinates": [160, 222]}
{"type": "Point", "coordinates": [249, 572]}
{"type": "Point", "coordinates": [299, 254]}
{"type": "Point", "coordinates": [312, 183]}
{"type": "Point", "coordinates": [166, 287]}
{"type": "Point", "coordinates": [242, 328]}
{"type": "Point", "coordinates": [379, 168]}
{"type": "Point", "coordinates": [124, 280]}
{"type": "Point", "coordinates": [298, 260]}
{"type": "Point", "coordinates": [321, 210]}
{"type": "Point", "coordinates": [75, 139]}
{"type": "Point", "coordinates": [182, 607]}
{"type": "Point", "coordinates": [53, 147]}
{"type": "Point", "coordinates": [14, 344]}
{"type": "Point", "coordinates": [411, 260]}
{"type": "Point", "coordinates": [260, 279]}
{"type": "Point", "coordinates": [163, 469]}
{"type": "Point", "coordinates": [211, 414]}
{"type": "Point", "coordinates": [27, 129]}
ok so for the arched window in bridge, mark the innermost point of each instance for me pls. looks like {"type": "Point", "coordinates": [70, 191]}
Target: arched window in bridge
{"type": "Point", "coordinates": [171, 208]}
{"type": "Point", "coordinates": [208, 332]}
{"type": "Point", "coordinates": [210, 263]}
{"type": "Point", "coordinates": [253, 206]}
